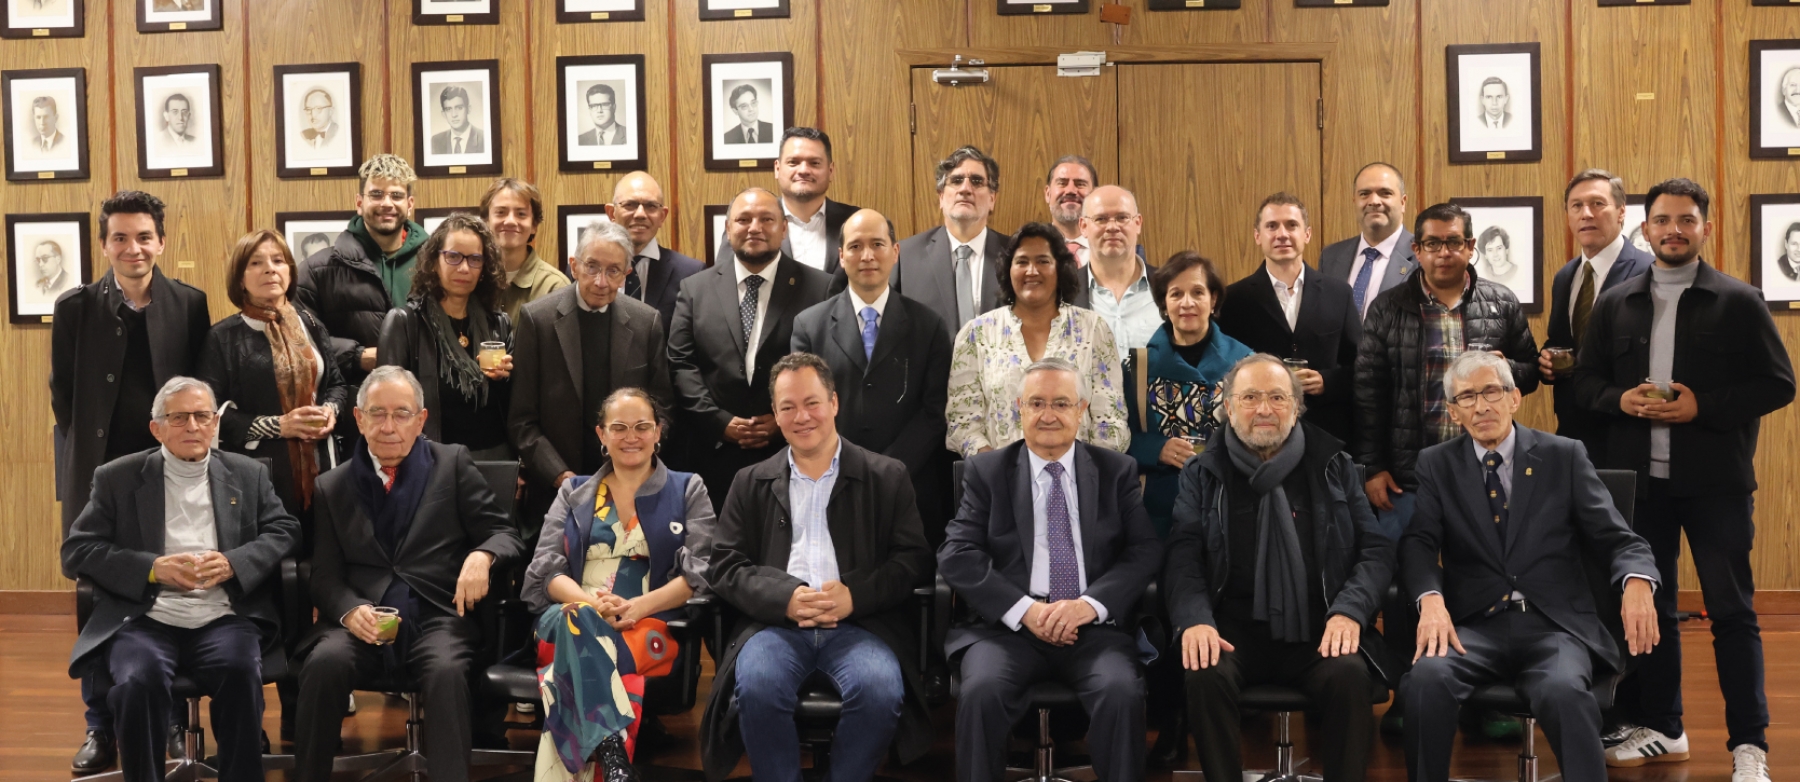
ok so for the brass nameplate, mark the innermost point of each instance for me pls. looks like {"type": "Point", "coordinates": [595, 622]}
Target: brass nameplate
{"type": "Point", "coordinates": [1792, 305]}
{"type": "Point", "coordinates": [602, 164]}
{"type": "Point", "coordinates": [1794, 150]}
{"type": "Point", "coordinates": [43, 33]}
{"type": "Point", "coordinates": [316, 172]}
{"type": "Point", "coordinates": [45, 319]}
{"type": "Point", "coordinates": [600, 15]}
{"type": "Point", "coordinates": [453, 18]}
{"type": "Point", "coordinates": [178, 25]}
{"type": "Point", "coordinates": [1041, 8]}
{"type": "Point", "coordinates": [1496, 156]}
{"type": "Point", "coordinates": [177, 172]}
{"type": "Point", "coordinates": [743, 13]}
{"type": "Point", "coordinates": [185, 265]}
{"type": "Point", "coordinates": [1341, 2]}
{"type": "Point", "coordinates": [1195, 3]}
{"type": "Point", "coordinates": [1646, 1]}
{"type": "Point", "coordinates": [459, 169]}
{"type": "Point", "coordinates": [746, 164]}
{"type": "Point", "coordinates": [46, 175]}
{"type": "Point", "coordinates": [1646, 96]}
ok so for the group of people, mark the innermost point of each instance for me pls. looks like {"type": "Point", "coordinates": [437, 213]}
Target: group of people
{"type": "Point", "coordinates": [1276, 453]}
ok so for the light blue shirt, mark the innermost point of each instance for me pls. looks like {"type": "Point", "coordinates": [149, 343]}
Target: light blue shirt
{"type": "Point", "coordinates": [1040, 536]}
{"type": "Point", "coordinates": [811, 557]}
{"type": "Point", "coordinates": [1505, 449]}
{"type": "Point", "coordinates": [1133, 319]}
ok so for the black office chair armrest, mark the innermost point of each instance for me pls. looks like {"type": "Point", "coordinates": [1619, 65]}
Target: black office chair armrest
{"type": "Point", "coordinates": [84, 601]}
{"type": "Point", "coordinates": [925, 597]}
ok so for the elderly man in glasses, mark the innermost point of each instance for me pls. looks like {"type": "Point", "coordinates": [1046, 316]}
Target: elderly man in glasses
{"type": "Point", "coordinates": [184, 543]}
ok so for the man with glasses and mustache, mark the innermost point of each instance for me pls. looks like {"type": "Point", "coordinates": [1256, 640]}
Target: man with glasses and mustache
{"type": "Point", "coordinates": [656, 272]}
{"type": "Point", "coordinates": [950, 268]}
{"type": "Point", "coordinates": [318, 120]}
{"type": "Point", "coordinates": [1381, 255]}
{"type": "Point", "coordinates": [1066, 187]}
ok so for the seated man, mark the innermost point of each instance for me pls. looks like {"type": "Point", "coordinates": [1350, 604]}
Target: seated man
{"type": "Point", "coordinates": [818, 548]}
{"type": "Point", "coordinates": [1242, 574]}
{"type": "Point", "coordinates": [1060, 607]}
{"type": "Point", "coordinates": [185, 544]}
{"type": "Point", "coordinates": [1465, 547]}
{"type": "Point", "coordinates": [409, 524]}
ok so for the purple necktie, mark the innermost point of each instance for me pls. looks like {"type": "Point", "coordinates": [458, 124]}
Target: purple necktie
{"type": "Point", "coordinates": [1065, 572]}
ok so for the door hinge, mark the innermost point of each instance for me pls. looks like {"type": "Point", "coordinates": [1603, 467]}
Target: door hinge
{"type": "Point", "coordinates": [1321, 105]}
{"type": "Point", "coordinates": [912, 118]}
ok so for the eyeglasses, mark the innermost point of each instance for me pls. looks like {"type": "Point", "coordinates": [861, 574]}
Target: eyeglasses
{"type": "Point", "coordinates": [1493, 395]}
{"type": "Point", "coordinates": [400, 417]}
{"type": "Point", "coordinates": [1118, 219]}
{"type": "Point", "coordinates": [453, 258]}
{"type": "Point", "coordinates": [643, 429]}
{"type": "Point", "coordinates": [1255, 399]}
{"type": "Point", "coordinates": [646, 207]}
{"type": "Point", "coordinates": [614, 273]}
{"type": "Point", "coordinates": [1040, 405]}
{"type": "Point", "coordinates": [1453, 244]}
{"type": "Point", "coordinates": [379, 196]}
{"type": "Point", "coordinates": [976, 181]}
{"type": "Point", "coordinates": [202, 418]}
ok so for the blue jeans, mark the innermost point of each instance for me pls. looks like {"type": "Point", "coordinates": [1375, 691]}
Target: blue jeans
{"type": "Point", "coordinates": [1392, 523]}
{"type": "Point", "coordinates": [769, 672]}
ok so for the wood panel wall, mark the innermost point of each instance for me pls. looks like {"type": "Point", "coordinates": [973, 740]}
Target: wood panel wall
{"type": "Point", "coordinates": [1382, 82]}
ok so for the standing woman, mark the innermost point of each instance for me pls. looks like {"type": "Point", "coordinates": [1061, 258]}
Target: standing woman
{"type": "Point", "coordinates": [438, 335]}
{"type": "Point", "coordinates": [1036, 319]}
{"type": "Point", "coordinates": [514, 210]}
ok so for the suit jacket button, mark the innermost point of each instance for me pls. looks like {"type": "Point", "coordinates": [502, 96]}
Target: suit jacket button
{"type": "Point", "coordinates": [119, 332]}
{"type": "Point", "coordinates": [99, 432]}
{"type": "Point", "coordinates": [109, 378]}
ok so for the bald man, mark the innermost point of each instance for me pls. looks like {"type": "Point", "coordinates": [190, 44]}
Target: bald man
{"type": "Point", "coordinates": [656, 271]}
{"type": "Point", "coordinates": [1116, 283]}
{"type": "Point", "coordinates": [732, 323]}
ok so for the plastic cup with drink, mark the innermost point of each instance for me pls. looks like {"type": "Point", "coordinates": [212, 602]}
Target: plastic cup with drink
{"type": "Point", "coordinates": [491, 354]}
{"type": "Point", "coordinates": [387, 625]}
{"type": "Point", "coordinates": [1562, 361]}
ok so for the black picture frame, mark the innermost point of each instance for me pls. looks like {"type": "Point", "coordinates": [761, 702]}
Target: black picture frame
{"type": "Point", "coordinates": [1634, 228]}
{"type": "Point", "coordinates": [714, 239]}
{"type": "Point", "coordinates": [709, 14]}
{"type": "Point", "coordinates": [422, 154]}
{"type": "Point", "coordinates": [1195, 5]}
{"type": "Point", "coordinates": [711, 71]}
{"type": "Point", "coordinates": [569, 217]}
{"type": "Point", "coordinates": [353, 72]}
{"type": "Point", "coordinates": [1606, 3]}
{"type": "Point", "coordinates": [565, 15]}
{"type": "Point", "coordinates": [422, 17]}
{"type": "Point", "coordinates": [1778, 278]}
{"type": "Point", "coordinates": [437, 214]}
{"type": "Point", "coordinates": [285, 224]}
{"type": "Point", "coordinates": [77, 29]}
{"type": "Point", "coordinates": [75, 261]}
{"type": "Point", "coordinates": [147, 23]}
{"type": "Point", "coordinates": [1763, 143]}
{"type": "Point", "coordinates": [1025, 8]}
{"type": "Point", "coordinates": [15, 172]}
{"type": "Point", "coordinates": [1340, 3]}
{"type": "Point", "coordinates": [1784, 3]}
{"type": "Point", "coordinates": [568, 143]}
{"type": "Point", "coordinates": [1519, 280]}
{"type": "Point", "coordinates": [147, 168]}
{"type": "Point", "coordinates": [1456, 110]}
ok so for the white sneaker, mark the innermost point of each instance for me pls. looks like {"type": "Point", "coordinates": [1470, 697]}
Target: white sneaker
{"type": "Point", "coordinates": [1647, 746]}
{"type": "Point", "coordinates": [1749, 764]}
{"type": "Point", "coordinates": [1618, 736]}
{"type": "Point", "coordinates": [352, 709]}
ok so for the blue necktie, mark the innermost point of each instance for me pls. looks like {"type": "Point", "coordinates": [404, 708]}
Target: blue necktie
{"type": "Point", "coordinates": [868, 332]}
{"type": "Point", "coordinates": [1496, 490]}
{"type": "Point", "coordinates": [1065, 572]}
{"type": "Point", "coordinates": [1360, 289]}
{"type": "Point", "coordinates": [747, 308]}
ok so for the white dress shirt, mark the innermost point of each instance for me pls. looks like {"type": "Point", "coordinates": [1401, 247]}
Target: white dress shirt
{"type": "Point", "coordinates": [641, 260]}
{"type": "Point", "coordinates": [811, 557]}
{"type": "Point", "coordinates": [975, 264]}
{"type": "Point", "coordinates": [762, 304]}
{"type": "Point", "coordinates": [806, 238]}
{"type": "Point", "coordinates": [1040, 536]}
{"type": "Point", "coordinates": [1602, 263]}
{"type": "Point", "coordinates": [1386, 250]}
{"type": "Point", "coordinates": [460, 141]}
{"type": "Point", "coordinates": [1289, 296]}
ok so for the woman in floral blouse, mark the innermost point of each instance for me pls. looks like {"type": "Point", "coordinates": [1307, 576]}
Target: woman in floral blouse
{"type": "Point", "coordinates": [1035, 320]}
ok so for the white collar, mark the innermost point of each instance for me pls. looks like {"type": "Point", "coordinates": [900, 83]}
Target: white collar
{"type": "Point", "coordinates": [1609, 254]}
{"type": "Point", "coordinates": [653, 251]}
{"type": "Point", "coordinates": [1386, 248]}
{"type": "Point", "coordinates": [818, 217]}
{"type": "Point", "coordinates": [1505, 448]}
{"type": "Point", "coordinates": [465, 131]}
{"type": "Point", "coordinates": [1299, 282]}
{"type": "Point", "coordinates": [767, 273]}
{"type": "Point", "coordinates": [582, 303]}
{"type": "Point", "coordinates": [880, 302]}
{"type": "Point", "coordinates": [977, 244]}
{"type": "Point", "coordinates": [1038, 463]}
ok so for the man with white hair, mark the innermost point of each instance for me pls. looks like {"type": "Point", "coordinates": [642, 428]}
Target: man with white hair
{"type": "Point", "coordinates": [184, 543]}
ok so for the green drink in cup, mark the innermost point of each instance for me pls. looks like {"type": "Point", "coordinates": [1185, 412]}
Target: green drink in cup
{"type": "Point", "coordinates": [387, 625]}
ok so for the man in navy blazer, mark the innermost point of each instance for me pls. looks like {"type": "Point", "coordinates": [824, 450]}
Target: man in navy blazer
{"type": "Point", "coordinates": [1505, 596]}
{"type": "Point", "coordinates": [1595, 202]}
{"type": "Point", "coordinates": [656, 271]}
{"type": "Point", "coordinates": [1052, 548]}
{"type": "Point", "coordinates": [1381, 255]}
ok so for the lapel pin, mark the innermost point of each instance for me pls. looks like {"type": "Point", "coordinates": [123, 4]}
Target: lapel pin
{"type": "Point", "coordinates": [234, 500]}
{"type": "Point", "coordinates": [790, 280]}
{"type": "Point", "coordinates": [1528, 471]}
{"type": "Point", "coordinates": [675, 527]}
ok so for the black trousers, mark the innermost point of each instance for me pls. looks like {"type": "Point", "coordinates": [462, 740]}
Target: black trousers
{"type": "Point", "coordinates": [224, 658]}
{"type": "Point", "coordinates": [1551, 667]}
{"type": "Point", "coordinates": [1339, 686]}
{"type": "Point", "coordinates": [1101, 667]}
{"type": "Point", "coordinates": [1720, 532]}
{"type": "Point", "coordinates": [441, 656]}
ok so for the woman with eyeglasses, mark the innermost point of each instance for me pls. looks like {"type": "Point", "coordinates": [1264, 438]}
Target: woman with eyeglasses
{"type": "Point", "coordinates": [450, 321]}
{"type": "Point", "coordinates": [1035, 319]}
{"type": "Point", "coordinates": [619, 555]}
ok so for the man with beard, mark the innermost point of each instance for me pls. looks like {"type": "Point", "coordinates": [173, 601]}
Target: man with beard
{"type": "Point", "coordinates": [1066, 187]}
{"type": "Point", "coordinates": [1790, 95]}
{"type": "Point", "coordinates": [656, 271]}
{"type": "Point", "coordinates": [803, 174]}
{"type": "Point", "coordinates": [1381, 255]}
{"type": "Point", "coordinates": [368, 271]}
{"type": "Point", "coordinates": [1719, 367]}
{"type": "Point", "coordinates": [950, 268]}
{"type": "Point", "coordinates": [1117, 283]}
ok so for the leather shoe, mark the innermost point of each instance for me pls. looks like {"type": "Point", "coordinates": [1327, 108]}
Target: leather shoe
{"type": "Point", "coordinates": [615, 765]}
{"type": "Point", "coordinates": [96, 754]}
{"type": "Point", "coordinates": [177, 746]}
{"type": "Point", "coordinates": [1171, 747]}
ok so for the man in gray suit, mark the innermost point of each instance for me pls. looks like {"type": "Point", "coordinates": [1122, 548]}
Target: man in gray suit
{"type": "Point", "coordinates": [951, 268]}
{"type": "Point", "coordinates": [1381, 255]}
{"type": "Point", "coordinates": [463, 138]}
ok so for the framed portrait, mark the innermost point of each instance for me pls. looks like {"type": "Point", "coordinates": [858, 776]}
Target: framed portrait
{"type": "Point", "coordinates": [456, 117]}
{"type": "Point", "coordinates": [45, 117]}
{"type": "Point", "coordinates": [1509, 245]}
{"type": "Point", "coordinates": [49, 255]}
{"type": "Point", "coordinates": [180, 130]}
{"type": "Point", "coordinates": [1634, 223]}
{"type": "Point", "coordinates": [43, 18]}
{"type": "Point", "coordinates": [571, 220]}
{"type": "Point", "coordinates": [1775, 249]}
{"type": "Point", "coordinates": [600, 100]}
{"type": "Point", "coordinates": [1196, 5]}
{"type": "Point", "coordinates": [749, 104]}
{"type": "Point", "coordinates": [174, 16]}
{"type": "Point", "coordinates": [1775, 99]}
{"type": "Point", "coordinates": [714, 10]}
{"type": "Point", "coordinates": [307, 233]}
{"type": "Point", "coordinates": [434, 217]}
{"type": "Point", "coordinates": [318, 120]}
{"type": "Point", "coordinates": [455, 12]}
{"type": "Point", "coordinates": [1027, 7]}
{"type": "Point", "coordinates": [1494, 102]}
{"type": "Point", "coordinates": [578, 11]}
{"type": "Point", "coordinates": [717, 249]}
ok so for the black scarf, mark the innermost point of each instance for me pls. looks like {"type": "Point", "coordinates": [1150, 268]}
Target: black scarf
{"type": "Point", "coordinates": [391, 511]}
{"type": "Point", "coordinates": [1280, 568]}
{"type": "Point", "coordinates": [456, 368]}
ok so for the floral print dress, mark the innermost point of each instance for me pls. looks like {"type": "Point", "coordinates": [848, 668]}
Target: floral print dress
{"type": "Point", "coordinates": [987, 367]}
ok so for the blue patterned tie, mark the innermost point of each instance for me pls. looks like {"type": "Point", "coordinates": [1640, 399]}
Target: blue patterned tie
{"type": "Point", "coordinates": [1065, 572]}
{"type": "Point", "coordinates": [1495, 489]}
{"type": "Point", "coordinates": [868, 332]}
{"type": "Point", "coordinates": [747, 307]}
{"type": "Point", "coordinates": [1360, 289]}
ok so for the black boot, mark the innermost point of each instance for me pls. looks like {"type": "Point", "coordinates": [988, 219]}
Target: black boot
{"type": "Point", "coordinates": [1171, 748]}
{"type": "Point", "coordinates": [615, 765]}
{"type": "Point", "coordinates": [96, 754]}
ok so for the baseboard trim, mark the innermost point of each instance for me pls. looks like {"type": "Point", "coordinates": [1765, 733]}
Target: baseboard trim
{"type": "Point", "coordinates": [1771, 602]}
{"type": "Point", "coordinates": [21, 601]}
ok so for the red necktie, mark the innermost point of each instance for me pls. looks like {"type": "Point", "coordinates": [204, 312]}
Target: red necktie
{"type": "Point", "coordinates": [1076, 249]}
{"type": "Point", "coordinates": [387, 477]}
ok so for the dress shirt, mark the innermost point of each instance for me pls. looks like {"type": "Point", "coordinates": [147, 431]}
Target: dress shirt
{"type": "Point", "coordinates": [45, 143]}
{"type": "Point", "coordinates": [1386, 250]}
{"type": "Point", "coordinates": [880, 305]}
{"type": "Point", "coordinates": [1793, 112]}
{"type": "Point", "coordinates": [1133, 318]}
{"type": "Point", "coordinates": [806, 238]}
{"type": "Point", "coordinates": [1289, 297]}
{"type": "Point", "coordinates": [642, 259]}
{"type": "Point", "coordinates": [461, 140]}
{"type": "Point", "coordinates": [1602, 264]}
{"type": "Point", "coordinates": [582, 303]}
{"type": "Point", "coordinates": [1493, 122]}
{"type": "Point", "coordinates": [188, 528]}
{"type": "Point", "coordinates": [976, 275]}
{"type": "Point", "coordinates": [1080, 250]}
{"type": "Point", "coordinates": [1040, 537]}
{"type": "Point", "coordinates": [810, 556]}
{"type": "Point", "coordinates": [762, 303]}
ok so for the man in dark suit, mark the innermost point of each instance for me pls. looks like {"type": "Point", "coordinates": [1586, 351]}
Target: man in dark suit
{"type": "Point", "coordinates": [113, 343]}
{"type": "Point", "coordinates": [463, 137]}
{"type": "Point", "coordinates": [1287, 310]}
{"type": "Point", "coordinates": [1381, 255]}
{"type": "Point", "coordinates": [732, 322]}
{"type": "Point", "coordinates": [184, 544]}
{"type": "Point", "coordinates": [603, 107]}
{"type": "Point", "coordinates": [1595, 202]}
{"type": "Point", "coordinates": [1465, 547]}
{"type": "Point", "coordinates": [1059, 607]}
{"type": "Point", "coordinates": [1492, 112]}
{"type": "Point", "coordinates": [951, 268]}
{"type": "Point", "coordinates": [656, 271]}
{"type": "Point", "coordinates": [818, 548]}
{"type": "Point", "coordinates": [571, 350]}
{"type": "Point", "coordinates": [803, 174]}
{"type": "Point", "coordinates": [890, 360]}
{"type": "Point", "coordinates": [410, 524]}
{"type": "Point", "coordinates": [750, 129]}
{"type": "Point", "coordinates": [1692, 441]}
